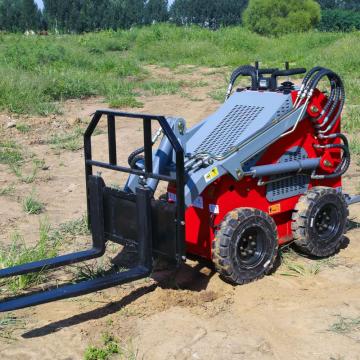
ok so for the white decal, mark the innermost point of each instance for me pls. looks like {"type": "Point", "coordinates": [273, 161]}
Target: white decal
{"type": "Point", "coordinates": [214, 209]}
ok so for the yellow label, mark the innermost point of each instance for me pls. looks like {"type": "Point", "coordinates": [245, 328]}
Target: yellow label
{"type": "Point", "coordinates": [274, 209]}
{"type": "Point", "coordinates": [211, 174]}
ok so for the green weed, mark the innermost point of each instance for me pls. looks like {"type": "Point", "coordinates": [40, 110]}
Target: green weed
{"type": "Point", "coordinates": [29, 178]}
{"type": "Point", "coordinates": [32, 206]}
{"type": "Point", "coordinates": [10, 153]}
{"type": "Point", "coordinates": [218, 95]}
{"type": "Point", "coordinates": [351, 122]}
{"type": "Point", "coordinates": [125, 101]}
{"type": "Point", "coordinates": [72, 228]}
{"type": "Point", "coordinates": [7, 190]}
{"type": "Point", "coordinates": [8, 324]}
{"type": "Point", "coordinates": [19, 253]}
{"type": "Point", "coordinates": [157, 87]}
{"type": "Point", "coordinates": [23, 128]}
{"type": "Point", "coordinates": [109, 348]}
{"type": "Point", "coordinates": [345, 325]}
{"type": "Point", "coordinates": [72, 140]}
{"type": "Point", "coordinates": [295, 266]}
{"type": "Point", "coordinates": [15, 157]}
{"type": "Point", "coordinates": [355, 146]}
{"type": "Point", "coordinates": [89, 271]}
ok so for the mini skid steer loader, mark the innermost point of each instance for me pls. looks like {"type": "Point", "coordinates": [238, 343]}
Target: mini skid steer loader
{"type": "Point", "coordinates": [262, 171]}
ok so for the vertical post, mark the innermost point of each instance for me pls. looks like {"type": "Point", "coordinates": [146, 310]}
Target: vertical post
{"type": "Point", "coordinates": [148, 145]}
{"type": "Point", "coordinates": [180, 221]}
{"type": "Point", "coordinates": [144, 226]}
{"type": "Point", "coordinates": [88, 156]}
{"type": "Point", "coordinates": [96, 187]}
{"type": "Point", "coordinates": [112, 139]}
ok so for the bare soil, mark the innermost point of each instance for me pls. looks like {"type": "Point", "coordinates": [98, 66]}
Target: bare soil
{"type": "Point", "coordinates": [191, 314]}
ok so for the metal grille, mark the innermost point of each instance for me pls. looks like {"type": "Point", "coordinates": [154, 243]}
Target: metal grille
{"type": "Point", "coordinates": [284, 109]}
{"type": "Point", "coordinates": [229, 129]}
{"type": "Point", "coordinates": [291, 186]}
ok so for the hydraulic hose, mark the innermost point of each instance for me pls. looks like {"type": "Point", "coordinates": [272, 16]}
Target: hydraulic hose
{"type": "Point", "coordinates": [343, 167]}
{"type": "Point", "coordinates": [246, 70]}
{"type": "Point", "coordinates": [133, 155]}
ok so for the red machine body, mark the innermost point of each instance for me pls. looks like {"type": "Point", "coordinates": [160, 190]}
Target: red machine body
{"type": "Point", "coordinates": [227, 194]}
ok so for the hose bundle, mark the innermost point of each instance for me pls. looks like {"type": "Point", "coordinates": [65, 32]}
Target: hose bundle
{"type": "Point", "coordinates": [329, 115]}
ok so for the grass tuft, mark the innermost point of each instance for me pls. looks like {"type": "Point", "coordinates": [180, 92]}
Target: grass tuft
{"type": "Point", "coordinates": [351, 121]}
{"type": "Point", "coordinates": [110, 347]}
{"type": "Point", "coordinates": [218, 95]}
{"type": "Point", "coordinates": [78, 227]}
{"type": "Point", "coordinates": [10, 153]}
{"type": "Point", "coordinates": [72, 140]}
{"type": "Point", "coordinates": [125, 101]}
{"type": "Point", "coordinates": [355, 146]}
{"type": "Point", "coordinates": [19, 253]}
{"type": "Point", "coordinates": [8, 324]}
{"type": "Point", "coordinates": [298, 267]}
{"type": "Point", "coordinates": [157, 87]}
{"type": "Point", "coordinates": [23, 128]}
{"type": "Point", "coordinates": [345, 325]}
{"type": "Point", "coordinates": [7, 190]}
{"type": "Point", "coordinates": [32, 206]}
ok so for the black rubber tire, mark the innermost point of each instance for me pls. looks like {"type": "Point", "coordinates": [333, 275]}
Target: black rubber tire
{"type": "Point", "coordinates": [227, 255]}
{"type": "Point", "coordinates": [320, 222]}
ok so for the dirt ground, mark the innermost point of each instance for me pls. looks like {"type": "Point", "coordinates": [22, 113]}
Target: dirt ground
{"type": "Point", "coordinates": [189, 315]}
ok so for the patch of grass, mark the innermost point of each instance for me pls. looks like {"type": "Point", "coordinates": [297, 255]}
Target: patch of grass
{"type": "Point", "coordinates": [158, 87]}
{"type": "Point", "coordinates": [7, 190]}
{"type": "Point", "coordinates": [38, 72]}
{"type": "Point", "coordinates": [71, 140]}
{"type": "Point", "coordinates": [8, 324]}
{"type": "Point", "coordinates": [297, 267]}
{"type": "Point", "coordinates": [190, 97]}
{"type": "Point", "coordinates": [17, 169]}
{"type": "Point", "coordinates": [218, 95]}
{"type": "Point", "coordinates": [125, 101]}
{"type": "Point", "coordinates": [15, 157]}
{"type": "Point", "coordinates": [345, 325]}
{"type": "Point", "coordinates": [72, 228]}
{"type": "Point", "coordinates": [110, 347]}
{"type": "Point", "coordinates": [196, 84]}
{"type": "Point", "coordinates": [19, 253]}
{"type": "Point", "coordinates": [10, 153]}
{"type": "Point", "coordinates": [90, 271]}
{"type": "Point", "coordinates": [351, 122]}
{"type": "Point", "coordinates": [355, 146]}
{"type": "Point", "coordinates": [23, 128]}
{"type": "Point", "coordinates": [32, 206]}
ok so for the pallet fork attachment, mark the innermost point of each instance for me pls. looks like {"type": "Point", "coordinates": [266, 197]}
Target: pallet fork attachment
{"type": "Point", "coordinates": [106, 207]}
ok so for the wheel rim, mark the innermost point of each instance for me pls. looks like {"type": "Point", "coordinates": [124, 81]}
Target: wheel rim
{"type": "Point", "coordinates": [327, 222]}
{"type": "Point", "coordinates": [251, 247]}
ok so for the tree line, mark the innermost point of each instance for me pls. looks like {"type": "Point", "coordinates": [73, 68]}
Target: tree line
{"type": "Point", "coordinates": [92, 15]}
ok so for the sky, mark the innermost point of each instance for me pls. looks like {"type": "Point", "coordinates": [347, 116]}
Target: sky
{"type": "Point", "coordinates": [41, 5]}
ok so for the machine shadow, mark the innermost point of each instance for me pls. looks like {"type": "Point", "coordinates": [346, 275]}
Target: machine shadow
{"type": "Point", "coordinates": [187, 277]}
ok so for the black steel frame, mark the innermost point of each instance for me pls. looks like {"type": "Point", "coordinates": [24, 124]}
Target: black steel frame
{"type": "Point", "coordinates": [95, 195]}
{"type": "Point", "coordinates": [148, 172]}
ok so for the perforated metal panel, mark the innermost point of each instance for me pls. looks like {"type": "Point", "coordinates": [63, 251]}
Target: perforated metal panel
{"type": "Point", "coordinates": [285, 108]}
{"type": "Point", "coordinates": [292, 186]}
{"type": "Point", "coordinates": [229, 129]}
